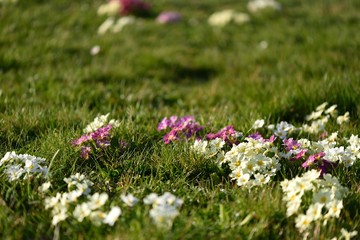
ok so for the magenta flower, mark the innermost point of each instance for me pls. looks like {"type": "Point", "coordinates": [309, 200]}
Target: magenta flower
{"type": "Point", "coordinates": [167, 123]}
{"type": "Point", "coordinates": [227, 134]}
{"type": "Point", "coordinates": [82, 139]}
{"type": "Point", "coordinates": [101, 133]}
{"type": "Point", "coordinates": [299, 155]}
{"type": "Point", "coordinates": [84, 152]}
{"type": "Point", "coordinates": [258, 136]}
{"type": "Point", "coordinates": [133, 7]}
{"type": "Point", "coordinates": [312, 158]}
{"type": "Point", "coordinates": [168, 17]}
{"type": "Point", "coordinates": [184, 127]}
{"type": "Point", "coordinates": [291, 144]}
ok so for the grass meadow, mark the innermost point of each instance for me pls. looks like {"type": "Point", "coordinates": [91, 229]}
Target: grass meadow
{"type": "Point", "coordinates": [279, 66]}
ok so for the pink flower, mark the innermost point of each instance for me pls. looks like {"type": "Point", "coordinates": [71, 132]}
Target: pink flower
{"type": "Point", "coordinates": [227, 134]}
{"type": "Point", "coordinates": [82, 139]}
{"type": "Point", "coordinates": [184, 127]}
{"type": "Point", "coordinates": [168, 17]}
{"type": "Point", "coordinates": [84, 152]}
{"type": "Point", "coordinates": [312, 159]}
{"type": "Point", "coordinates": [291, 144]}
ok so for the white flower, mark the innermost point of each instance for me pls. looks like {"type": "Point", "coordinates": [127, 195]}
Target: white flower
{"type": "Point", "coordinates": [314, 115]}
{"type": "Point", "coordinates": [200, 146]}
{"type": "Point", "coordinates": [14, 172]}
{"type": "Point", "coordinates": [314, 211]}
{"type": "Point", "coordinates": [321, 107]}
{"type": "Point", "coordinates": [121, 23]}
{"type": "Point", "coordinates": [111, 8]}
{"type": "Point", "coordinates": [60, 216]}
{"type": "Point", "coordinates": [224, 17]}
{"type": "Point", "coordinates": [97, 200]}
{"type": "Point", "coordinates": [164, 216]}
{"type": "Point", "coordinates": [303, 222]}
{"type": "Point", "coordinates": [44, 187]}
{"type": "Point", "coordinates": [241, 18]}
{"type": "Point", "coordinates": [332, 111]}
{"type": "Point", "coordinates": [334, 208]}
{"type": "Point", "coordinates": [150, 199]}
{"type": "Point", "coordinates": [8, 157]}
{"type": "Point", "coordinates": [129, 199]}
{"type": "Point", "coordinates": [343, 119]}
{"type": "Point", "coordinates": [97, 217]}
{"type": "Point", "coordinates": [258, 123]}
{"type": "Point", "coordinates": [257, 5]}
{"type": "Point", "coordinates": [104, 27]}
{"type": "Point", "coordinates": [324, 196]}
{"type": "Point", "coordinates": [243, 179]}
{"type": "Point", "coordinates": [95, 50]}
{"type": "Point", "coordinates": [221, 18]}
{"type": "Point", "coordinates": [112, 216]}
{"type": "Point", "coordinates": [347, 235]}
{"type": "Point", "coordinates": [82, 211]}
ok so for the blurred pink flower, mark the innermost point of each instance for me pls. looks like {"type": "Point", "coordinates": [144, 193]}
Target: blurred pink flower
{"type": "Point", "coordinates": [168, 17]}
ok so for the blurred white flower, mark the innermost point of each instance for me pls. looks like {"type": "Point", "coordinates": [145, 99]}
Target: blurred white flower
{"type": "Point", "coordinates": [121, 23]}
{"type": "Point", "coordinates": [258, 5]}
{"type": "Point", "coordinates": [106, 26]}
{"type": "Point", "coordinates": [112, 216]}
{"type": "Point", "coordinates": [97, 200]}
{"type": "Point", "coordinates": [343, 119]}
{"type": "Point", "coordinates": [258, 123]}
{"type": "Point", "coordinates": [129, 199]}
{"type": "Point", "coordinates": [111, 8]}
{"type": "Point", "coordinates": [95, 50]}
{"type": "Point", "coordinates": [224, 17]}
{"type": "Point", "coordinates": [347, 235]}
{"type": "Point", "coordinates": [44, 187]}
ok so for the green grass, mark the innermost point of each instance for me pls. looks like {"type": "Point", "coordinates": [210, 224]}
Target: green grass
{"type": "Point", "coordinates": [51, 88]}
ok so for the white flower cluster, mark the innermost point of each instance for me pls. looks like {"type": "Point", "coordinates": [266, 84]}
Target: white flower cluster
{"type": "Point", "coordinates": [23, 166]}
{"type": "Point", "coordinates": [258, 5]}
{"type": "Point", "coordinates": [69, 203]}
{"type": "Point", "coordinates": [224, 17]}
{"type": "Point", "coordinates": [327, 195]}
{"type": "Point", "coordinates": [210, 149]}
{"type": "Point", "coordinates": [320, 117]}
{"type": "Point", "coordinates": [101, 121]}
{"type": "Point", "coordinates": [165, 208]}
{"type": "Point", "coordinates": [341, 154]}
{"type": "Point", "coordinates": [253, 162]}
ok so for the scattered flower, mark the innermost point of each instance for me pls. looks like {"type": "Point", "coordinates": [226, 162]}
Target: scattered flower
{"type": "Point", "coordinates": [129, 199]}
{"type": "Point", "coordinates": [327, 195]}
{"type": "Point", "coordinates": [224, 17]}
{"type": "Point", "coordinates": [184, 127]}
{"type": "Point", "coordinates": [168, 17]}
{"type": "Point", "coordinates": [95, 50]}
{"type": "Point", "coordinates": [258, 5]}
{"type": "Point", "coordinates": [73, 204]}
{"type": "Point", "coordinates": [343, 119]}
{"type": "Point", "coordinates": [23, 166]}
{"type": "Point", "coordinates": [164, 210]}
{"type": "Point", "coordinates": [258, 123]}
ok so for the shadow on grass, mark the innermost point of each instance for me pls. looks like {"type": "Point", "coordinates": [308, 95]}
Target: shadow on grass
{"type": "Point", "coordinates": [7, 65]}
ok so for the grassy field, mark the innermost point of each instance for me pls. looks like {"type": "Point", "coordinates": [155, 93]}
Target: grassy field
{"type": "Point", "coordinates": [51, 88]}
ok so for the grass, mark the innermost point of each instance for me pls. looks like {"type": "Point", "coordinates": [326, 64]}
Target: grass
{"type": "Point", "coordinates": [51, 88]}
